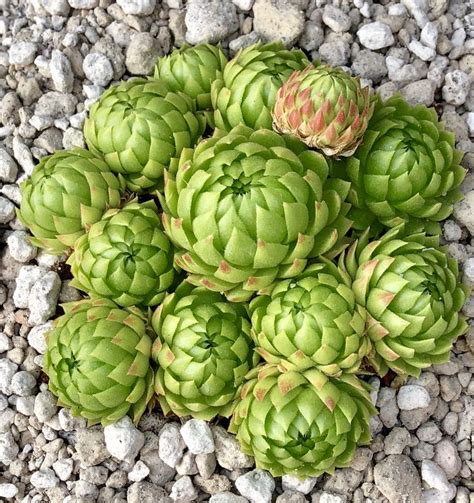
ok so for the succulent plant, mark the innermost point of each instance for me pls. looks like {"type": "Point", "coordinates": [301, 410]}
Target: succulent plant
{"type": "Point", "coordinates": [246, 92]}
{"type": "Point", "coordinates": [192, 71]}
{"type": "Point", "coordinates": [251, 207]}
{"type": "Point", "coordinates": [141, 127]}
{"type": "Point", "coordinates": [301, 423]}
{"type": "Point", "coordinates": [66, 193]}
{"type": "Point", "coordinates": [125, 257]}
{"type": "Point", "coordinates": [325, 107]}
{"type": "Point", "coordinates": [204, 350]}
{"type": "Point", "coordinates": [98, 363]}
{"type": "Point", "coordinates": [407, 167]}
{"type": "Point", "coordinates": [311, 321]}
{"type": "Point", "coordinates": [411, 292]}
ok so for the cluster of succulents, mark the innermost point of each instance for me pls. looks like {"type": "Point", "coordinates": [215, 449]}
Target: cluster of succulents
{"type": "Point", "coordinates": [254, 236]}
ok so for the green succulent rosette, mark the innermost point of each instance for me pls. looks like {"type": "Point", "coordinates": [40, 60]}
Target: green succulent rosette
{"type": "Point", "coordinates": [325, 107]}
{"type": "Point", "coordinates": [251, 207]}
{"type": "Point", "coordinates": [125, 257]}
{"type": "Point", "coordinates": [311, 321]}
{"type": "Point", "coordinates": [140, 127]}
{"type": "Point", "coordinates": [246, 92]}
{"type": "Point", "coordinates": [410, 289]}
{"type": "Point", "coordinates": [407, 168]}
{"type": "Point", "coordinates": [66, 193]}
{"type": "Point", "coordinates": [301, 423]}
{"type": "Point", "coordinates": [98, 363]}
{"type": "Point", "coordinates": [192, 70]}
{"type": "Point", "coordinates": [204, 350]}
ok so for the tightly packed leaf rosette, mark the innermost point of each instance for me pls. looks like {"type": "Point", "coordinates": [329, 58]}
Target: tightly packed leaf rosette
{"type": "Point", "coordinates": [325, 107]}
{"type": "Point", "coordinates": [311, 321]}
{"type": "Point", "coordinates": [246, 92]}
{"type": "Point", "coordinates": [140, 127]}
{"type": "Point", "coordinates": [251, 207]}
{"type": "Point", "coordinates": [125, 257]}
{"type": "Point", "coordinates": [192, 70]}
{"type": "Point", "coordinates": [98, 361]}
{"type": "Point", "coordinates": [66, 193]}
{"type": "Point", "coordinates": [411, 292]}
{"type": "Point", "coordinates": [407, 167]}
{"type": "Point", "coordinates": [301, 423]}
{"type": "Point", "coordinates": [204, 350]}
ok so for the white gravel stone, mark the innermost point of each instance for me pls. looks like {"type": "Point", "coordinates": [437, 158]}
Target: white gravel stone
{"type": "Point", "coordinates": [22, 53]}
{"type": "Point", "coordinates": [198, 436]}
{"type": "Point", "coordinates": [23, 155]}
{"type": "Point", "coordinates": [139, 472]}
{"type": "Point", "coordinates": [137, 7]}
{"type": "Point", "coordinates": [210, 20]}
{"type": "Point", "coordinates": [23, 383]}
{"type": "Point", "coordinates": [456, 87]}
{"type": "Point", "coordinates": [7, 371]}
{"type": "Point", "coordinates": [183, 490]}
{"type": "Point", "coordinates": [61, 72]}
{"type": "Point", "coordinates": [336, 19]}
{"type": "Point", "coordinates": [44, 479]}
{"type": "Point", "coordinates": [468, 268]}
{"type": "Point", "coordinates": [98, 68]}
{"type": "Point", "coordinates": [375, 35]}
{"type": "Point", "coordinates": [63, 468]}
{"type": "Point", "coordinates": [470, 123]}
{"type": "Point", "coordinates": [27, 277]}
{"type": "Point", "coordinates": [171, 445]}
{"type": "Point", "coordinates": [228, 452]}
{"type": "Point", "coordinates": [282, 21]}
{"type": "Point", "coordinates": [326, 497]}
{"type": "Point", "coordinates": [43, 298]}
{"type": "Point", "coordinates": [8, 448]}
{"type": "Point", "coordinates": [26, 405]}
{"type": "Point", "coordinates": [429, 35]}
{"type": "Point", "coordinates": [433, 475]}
{"type": "Point", "coordinates": [412, 396]}
{"type": "Point", "coordinates": [257, 486]}
{"type": "Point", "coordinates": [56, 7]}
{"type": "Point", "coordinates": [142, 54]}
{"type": "Point", "coordinates": [36, 337]}
{"type": "Point", "coordinates": [464, 211]}
{"type": "Point", "coordinates": [20, 247]}
{"type": "Point", "coordinates": [8, 167]}
{"type": "Point", "coordinates": [447, 457]}
{"type": "Point", "coordinates": [84, 4]}
{"type": "Point", "coordinates": [5, 343]}
{"type": "Point", "coordinates": [292, 483]}
{"type": "Point", "coordinates": [8, 491]}
{"type": "Point", "coordinates": [227, 497]}
{"type": "Point", "coordinates": [242, 4]}
{"type": "Point", "coordinates": [424, 52]}
{"type": "Point", "coordinates": [7, 210]}
{"type": "Point", "coordinates": [45, 406]}
{"type": "Point", "coordinates": [123, 440]}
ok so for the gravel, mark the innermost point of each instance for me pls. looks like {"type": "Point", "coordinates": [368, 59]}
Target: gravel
{"type": "Point", "coordinates": [56, 58]}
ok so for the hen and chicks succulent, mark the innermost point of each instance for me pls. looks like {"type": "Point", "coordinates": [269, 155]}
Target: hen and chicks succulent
{"type": "Point", "coordinates": [289, 299]}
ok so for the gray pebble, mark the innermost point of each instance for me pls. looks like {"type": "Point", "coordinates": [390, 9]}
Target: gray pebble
{"type": "Point", "coordinates": [61, 72]}
{"type": "Point", "coordinates": [142, 54]}
{"type": "Point", "coordinates": [337, 20]}
{"type": "Point", "coordinates": [210, 20]}
{"type": "Point", "coordinates": [8, 167]}
{"type": "Point", "coordinates": [447, 457]}
{"type": "Point", "coordinates": [20, 247]}
{"type": "Point", "coordinates": [375, 36]}
{"type": "Point", "coordinates": [197, 436]}
{"type": "Point", "coordinates": [456, 87]}
{"type": "Point", "coordinates": [257, 486]}
{"type": "Point", "coordinates": [183, 490]}
{"type": "Point", "coordinates": [23, 383]}
{"type": "Point", "coordinates": [412, 397]}
{"type": "Point", "coordinates": [397, 479]}
{"type": "Point", "coordinates": [137, 7]}
{"type": "Point", "coordinates": [98, 69]}
{"type": "Point", "coordinates": [22, 53]}
{"type": "Point", "coordinates": [7, 210]}
{"type": "Point", "coordinates": [8, 448]}
{"type": "Point", "coordinates": [282, 21]}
